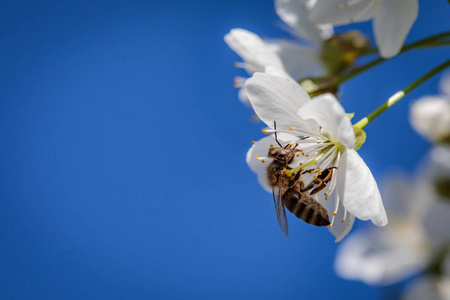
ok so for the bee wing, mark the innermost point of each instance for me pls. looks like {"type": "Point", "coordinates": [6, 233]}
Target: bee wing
{"type": "Point", "coordinates": [281, 212]}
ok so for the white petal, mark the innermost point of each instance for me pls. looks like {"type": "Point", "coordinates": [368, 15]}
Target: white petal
{"type": "Point", "coordinates": [392, 24]}
{"type": "Point", "coordinates": [337, 12]}
{"type": "Point", "coordinates": [295, 13]}
{"type": "Point", "coordinates": [430, 116]}
{"type": "Point", "coordinates": [252, 49]}
{"type": "Point", "coordinates": [330, 114]}
{"type": "Point", "coordinates": [278, 99]}
{"type": "Point", "coordinates": [340, 229]}
{"type": "Point", "coordinates": [298, 60]}
{"type": "Point", "coordinates": [358, 189]}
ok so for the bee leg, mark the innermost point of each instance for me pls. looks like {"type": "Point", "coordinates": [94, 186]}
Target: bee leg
{"type": "Point", "coordinates": [316, 185]}
{"type": "Point", "coordinates": [320, 185]}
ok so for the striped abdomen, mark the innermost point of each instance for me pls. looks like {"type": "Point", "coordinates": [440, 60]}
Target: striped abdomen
{"type": "Point", "coordinates": [303, 206]}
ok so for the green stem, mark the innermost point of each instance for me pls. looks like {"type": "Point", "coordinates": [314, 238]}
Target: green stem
{"type": "Point", "coordinates": [420, 44]}
{"type": "Point", "coordinates": [399, 95]}
{"type": "Point", "coordinates": [425, 42]}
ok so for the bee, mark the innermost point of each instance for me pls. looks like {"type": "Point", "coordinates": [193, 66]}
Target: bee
{"type": "Point", "coordinates": [291, 192]}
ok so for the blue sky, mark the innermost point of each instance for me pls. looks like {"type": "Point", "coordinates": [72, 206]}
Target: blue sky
{"type": "Point", "coordinates": [123, 154]}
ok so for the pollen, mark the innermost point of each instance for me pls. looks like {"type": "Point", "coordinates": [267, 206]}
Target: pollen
{"type": "Point", "coordinates": [290, 127]}
{"type": "Point", "coordinates": [288, 173]}
{"type": "Point", "coordinates": [314, 176]}
{"type": "Point", "coordinates": [264, 131]}
{"type": "Point", "coordinates": [335, 213]}
{"type": "Point", "coordinates": [256, 157]}
{"type": "Point", "coordinates": [253, 142]}
{"type": "Point", "coordinates": [290, 144]}
{"type": "Point", "coordinates": [263, 161]}
{"type": "Point", "coordinates": [319, 173]}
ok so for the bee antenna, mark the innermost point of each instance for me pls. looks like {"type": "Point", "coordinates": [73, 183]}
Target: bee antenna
{"type": "Point", "coordinates": [276, 137]}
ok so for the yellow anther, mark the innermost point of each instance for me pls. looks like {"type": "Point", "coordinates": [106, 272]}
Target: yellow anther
{"type": "Point", "coordinates": [325, 194]}
{"type": "Point", "coordinates": [335, 213]}
{"type": "Point", "coordinates": [314, 176]}
{"type": "Point", "coordinates": [256, 157]}
{"type": "Point", "coordinates": [253, 142]}
{"type": "Point", "coordinates": [343, 221]}
{"type": "Point", "coordinates": [271, 145]}
{"type": "Point", "coordinates": [307, 155]}
{"type": "Point", "coordinates": [290, 127]}
{"type": "Point", "coordinates": [264, 131]}
{"type": "Point", "coordinates": [346, 4]}
{"type": "Point", "coordinates": [290, 144]}
{"type": "Point", "coordinates": [300, 164]}
{"type": "Point", "coordinates": [331, 226]}
{"type": "Point", "coordinates": [263, 161]}
{"type": "Point", "coordinates": [326, 198]}
{"type": "Point", "coordinates": [288, 173]}
{"type": "Point", "coordinates": [300, 150]}
{"type": "Point", "coordinates": [319, 173]}
{"type": "Point", "coordinates": [298, 155]}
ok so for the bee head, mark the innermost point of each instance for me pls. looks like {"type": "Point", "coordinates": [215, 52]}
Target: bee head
{"type": "Point", "coordinates": [281, 155]}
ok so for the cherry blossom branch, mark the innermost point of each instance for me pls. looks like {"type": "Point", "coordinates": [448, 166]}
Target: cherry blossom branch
{"type": "Point", "coordinates": [399, 95]}
{"type": "Point", "coordinates": [439, 40]}
{"type": "Point", "coordinates": [433, 41]}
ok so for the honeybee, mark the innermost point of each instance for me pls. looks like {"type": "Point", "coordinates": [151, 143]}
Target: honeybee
{"type": "Point", "coordinates": [291, 192]}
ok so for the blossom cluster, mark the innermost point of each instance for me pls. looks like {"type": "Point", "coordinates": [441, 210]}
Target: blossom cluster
{"type": "Point", "coordinates": [308, 159]}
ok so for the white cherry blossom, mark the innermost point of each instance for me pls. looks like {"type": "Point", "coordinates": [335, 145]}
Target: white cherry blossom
{"type": "Point", "coordinates": [430, 115]}
{"type": "Point", "coordinates": [418, 228]}
{"type": "Point", "coordinates": [294, 59]}
{"type": "Point", "coordinates": [325, 139]}
{"type": "Point", "coordinates": [392, 19]}
{"type": "Point", "coordinates": [383, 256]}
